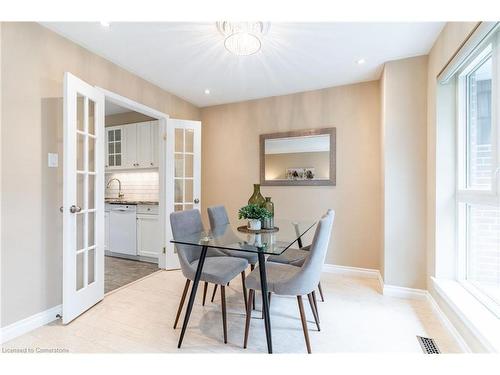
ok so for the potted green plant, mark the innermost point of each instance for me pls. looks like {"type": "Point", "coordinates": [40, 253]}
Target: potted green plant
{"type": "Point", "coordinates": [254, 214]}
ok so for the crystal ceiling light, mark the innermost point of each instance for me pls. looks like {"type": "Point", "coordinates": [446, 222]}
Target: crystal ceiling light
{"type": "Point", "coordinates": [243, 38]}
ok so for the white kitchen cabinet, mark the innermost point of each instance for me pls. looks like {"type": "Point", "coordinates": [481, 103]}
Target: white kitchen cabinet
{"type": "Point", "coordinates": [149, 239]}
{"type": "Point", "coordinates": [114, 147]}
{"type": "Point", "coordinates": [138, 146]}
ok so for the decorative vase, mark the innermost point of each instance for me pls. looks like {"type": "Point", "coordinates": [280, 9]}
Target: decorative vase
{"type": "Point", "coordinates": [254, 224]}
{"type": "Point", "coordinates": [269, 221]}
{"type": "Point", "coordinates": [257, 197]}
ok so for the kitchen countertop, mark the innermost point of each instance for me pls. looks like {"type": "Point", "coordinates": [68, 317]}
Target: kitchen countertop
{"type": "Point", "coordinates": [131, 202]}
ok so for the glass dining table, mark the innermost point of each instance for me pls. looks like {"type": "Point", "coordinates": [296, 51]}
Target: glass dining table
{"type": "Point", "coordinates": [234, 237]}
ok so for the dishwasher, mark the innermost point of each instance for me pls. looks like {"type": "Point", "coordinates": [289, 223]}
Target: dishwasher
{"type": "Point", "coordinates": [123, 229]}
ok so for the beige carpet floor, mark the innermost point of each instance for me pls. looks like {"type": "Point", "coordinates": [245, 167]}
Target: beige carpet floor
{"type": "Point", "coordinates": [138, 318]}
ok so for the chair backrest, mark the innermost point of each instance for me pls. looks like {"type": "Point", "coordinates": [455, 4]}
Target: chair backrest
{"type": "Point", "coordinates": [305, 281]}
{"type": "Point", "coordinates": [183, 224]}
{"type": "Point", "coordinates": [217, 216]}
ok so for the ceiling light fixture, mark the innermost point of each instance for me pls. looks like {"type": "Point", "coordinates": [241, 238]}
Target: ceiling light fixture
{"type": "Point", "coordinates": [361, 61]}
{"type": "Point", "coordinates": [243, 38]}
{"type": "Point", "coordinates": [104, 24]}
{"type": "Point", "coordinates": [207, 92]}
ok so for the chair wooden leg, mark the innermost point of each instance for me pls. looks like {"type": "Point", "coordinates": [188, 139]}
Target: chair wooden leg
{"type": "Point", "coordinates": [304, 323]}
{"type": "Point", "coordinates": [244, 288]}
{"type": "Point", "coordinates": [186, 287]}
{"type": "Point", "coordinates": [251, 295]}
{"type": "Point", "coordinates": [315, 304]}
{"type": "Point", "coordinates": [313, 309]}
{"type": "Point", "coordinates": [213, 294]}
{"type": "Point", "coordinates": [252, 267]}
{"type": "Point", "coordinates": [321, 292]}
{"type": "Point", "coordinates": [205, 287]}
{"type": "Point", "coordinates": [224, 322]}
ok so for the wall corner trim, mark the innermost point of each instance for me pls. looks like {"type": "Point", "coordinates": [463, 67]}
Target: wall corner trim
{"type": "Point", "coordinates": [29, 324]}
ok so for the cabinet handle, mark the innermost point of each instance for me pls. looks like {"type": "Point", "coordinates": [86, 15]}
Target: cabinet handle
{"type": "Point", "coordinates": [152, 163]}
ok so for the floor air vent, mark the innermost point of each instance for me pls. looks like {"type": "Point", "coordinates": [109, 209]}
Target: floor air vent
{"type": "Point", "coordinates": [428, 345]}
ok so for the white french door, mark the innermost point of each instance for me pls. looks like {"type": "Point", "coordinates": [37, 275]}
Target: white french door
{"type": "Point", "coordinates": [83, 197]}
{"type": "Point", "coordinates": [183, 153]}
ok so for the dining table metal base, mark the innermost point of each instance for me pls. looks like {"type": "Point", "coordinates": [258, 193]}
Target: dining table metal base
{"type": "Point", "coordinates": [265, 300]}
{"type": "Point", "coordinates": [192, 296]}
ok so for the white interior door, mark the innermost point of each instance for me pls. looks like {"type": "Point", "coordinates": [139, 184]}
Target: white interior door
{"type": "Point", "coordinates": [83, 197]}
{"type": "Point", "coordinates": [184, 170]}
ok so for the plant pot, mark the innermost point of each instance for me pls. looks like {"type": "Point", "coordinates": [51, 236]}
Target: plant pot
{"type": "Point", "coordinates": [254, 224]}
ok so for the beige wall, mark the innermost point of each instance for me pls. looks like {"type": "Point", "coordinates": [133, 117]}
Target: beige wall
{"type": "Point", "coordinates": [404, 113]}
{"type": "Point", "coordinates": [277, 164]}
{"type": "Point", "coordinates": [126, 118]}
{"type": "Point", "coordinates": [34, 60]}
{"type": "Point", "coordinates": [230, 162]}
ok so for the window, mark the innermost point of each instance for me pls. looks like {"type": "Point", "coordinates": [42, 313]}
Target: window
{"type": "Point", "coordinates": [478, 201]}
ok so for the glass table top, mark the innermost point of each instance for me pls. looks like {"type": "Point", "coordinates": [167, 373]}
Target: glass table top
{"type": "Point", "coordinates": [230, 238]}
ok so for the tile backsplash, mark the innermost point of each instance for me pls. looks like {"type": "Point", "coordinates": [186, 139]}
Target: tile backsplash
{"type": "Point", "coordinates": [136, 185]}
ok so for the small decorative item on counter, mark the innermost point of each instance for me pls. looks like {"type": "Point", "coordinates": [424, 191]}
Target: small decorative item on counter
{"type": "Point", "coordinates": [254, 214]}
{"type": "Point", "coordinates": [257, 197]}
{"type": "Point", "coordinates": [268, 222]}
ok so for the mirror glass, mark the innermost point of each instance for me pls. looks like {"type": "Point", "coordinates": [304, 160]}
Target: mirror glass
{"type": "Point", "coordinates": [294, 159]}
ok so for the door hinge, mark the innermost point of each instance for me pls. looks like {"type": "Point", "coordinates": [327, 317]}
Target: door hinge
{"type": "Point", "coordinates": [164, 250]}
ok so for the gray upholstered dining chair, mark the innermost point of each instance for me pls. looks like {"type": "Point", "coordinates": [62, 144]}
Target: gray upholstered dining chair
{"type": "Point", "coordinates": [218, 268]}
{"type": "Point", "coordinates": [217, 216]}
{"type": "Point", "coordinates": [290, 280]}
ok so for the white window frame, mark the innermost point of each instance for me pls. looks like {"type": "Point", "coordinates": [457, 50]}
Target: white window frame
{"type": "Point", "coordinates": [464, 195]}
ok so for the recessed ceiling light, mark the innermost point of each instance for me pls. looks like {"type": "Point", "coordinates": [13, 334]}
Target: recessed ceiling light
{"type": "Point", "coordinates": [104, 24]}
{"type": "Point", "coordinates": [361, 61]}
{"type": "Point", "coordinates": [207, 91]}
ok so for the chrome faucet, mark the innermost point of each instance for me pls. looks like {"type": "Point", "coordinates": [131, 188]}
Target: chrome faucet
{"type": "Point", "coordinates": [120, 194]}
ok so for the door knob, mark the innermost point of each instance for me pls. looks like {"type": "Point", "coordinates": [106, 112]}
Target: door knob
{"type": "Point", "coordinates": [73, 209]}
{"type": "Point", "coordinates": [196, 201]}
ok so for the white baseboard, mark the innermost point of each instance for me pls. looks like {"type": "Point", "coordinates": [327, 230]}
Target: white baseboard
{"type": "Point", "coordinates": [449, 325]}
{"type": "Point", "coordinates": [403, 292]}
{"type": "Point", "coordinates": [352, 271]}
{"type": "Point", "coordinates": [29, 324]}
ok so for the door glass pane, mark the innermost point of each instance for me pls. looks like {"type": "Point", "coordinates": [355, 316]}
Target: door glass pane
{"type": "Point", "coordinates": [189, 140]}
{"type": "Point", "coordinates": [91, 191]}
{"type": "Point", "coordinates": [79, 112]}
{"type": "Point", "coordinates": [118, 160]}
{"type": "Point", "coordinates": [111, 147]}
{"type": "Point", "coordinates": [91, 266]}
{"type": "Point", "coordinates": [118, 147]}
{"type": "Point", "coordinates": [80, 142]}
{"type": "Point", "coordinates": [118, 134]}
{"type": "Point", "coordinates": [189, 191]}
{"type": "Point", "coordinates": [111, 135]}
{"type": "Point", "coordinates": [79, 232]}
{"type": "Point", "coordinates": [91, 229]}
{"type": "Point", "coordinates": [91, 154]}
{"type": "Point", "coordinates": [79, 270]}
{"type": "Point", "coordinates": [91, 117]}
{"type": "Point", "coordinates": [188, 206]}
{"type": "Point", "coordinates": [179, 165]}
{"type": "Point", "coordinates": [178, 207]}
{"type": "Point", "coordinates": [179, 140]}
{"type": "Point", "coordinates": [479, 142]}
{"type": "Point", "coordinates": [189, 165]}
{"type": "Point", "coordinates": [80, 181]}
{"type": "Point", "coordinates": [179, 191]}
{"type": "Point", "coordinates": [111, 161]}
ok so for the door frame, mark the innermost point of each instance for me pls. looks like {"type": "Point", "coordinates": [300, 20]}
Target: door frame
{"type": "Point", "coordinates": [166, 184]}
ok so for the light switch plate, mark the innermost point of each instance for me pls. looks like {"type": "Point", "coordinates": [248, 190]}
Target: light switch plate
{"type": "Point", "coordinates": [53, 160]}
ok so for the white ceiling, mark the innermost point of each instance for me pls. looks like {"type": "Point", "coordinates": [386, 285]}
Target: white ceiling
{"type": "Point", "coordinates": [187, 58]}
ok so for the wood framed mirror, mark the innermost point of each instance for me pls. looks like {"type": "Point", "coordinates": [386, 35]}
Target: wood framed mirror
{"type": "Point", "coordinates": [298, 158]}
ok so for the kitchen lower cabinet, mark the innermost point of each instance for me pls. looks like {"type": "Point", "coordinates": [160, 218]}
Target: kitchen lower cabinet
{"type": "Point", "coordinates": [149, 239]}
{"type": "Point", "coordinates": [106, 230]}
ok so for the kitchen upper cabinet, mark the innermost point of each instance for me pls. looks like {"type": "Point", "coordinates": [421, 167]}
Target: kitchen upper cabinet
{"type": "Point", "coordinates": [114, 147]}
{"type": "Point", "coordinates": [137, 146]}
